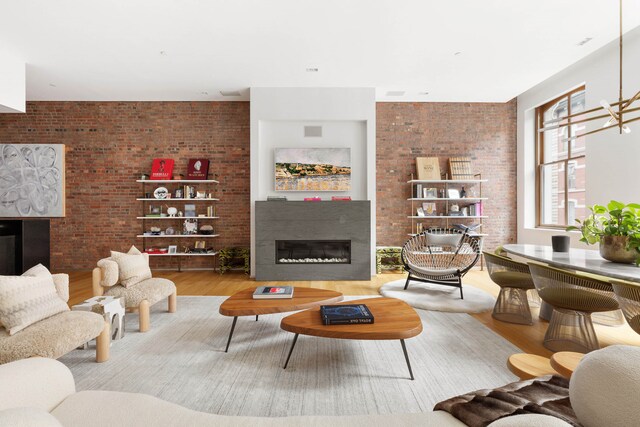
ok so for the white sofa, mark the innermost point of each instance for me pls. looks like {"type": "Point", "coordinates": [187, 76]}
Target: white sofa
{"type": "Point", "coordinates": [41, 392]}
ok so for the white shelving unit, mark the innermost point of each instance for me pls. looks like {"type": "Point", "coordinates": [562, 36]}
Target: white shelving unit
{"type": "Point", "coordinates": [443, 205]}
{"type": "Point", "coordinates": [168, 183]}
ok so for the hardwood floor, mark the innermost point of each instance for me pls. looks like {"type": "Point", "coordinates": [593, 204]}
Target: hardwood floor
{"type": "Point", "coordinates": [527, 338]}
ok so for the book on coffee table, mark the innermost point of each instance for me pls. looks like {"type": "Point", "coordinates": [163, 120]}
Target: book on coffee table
{"type": "Point", "coordinates": [345, 314]}
{"type": "Point", "coordinates": [273, 292]}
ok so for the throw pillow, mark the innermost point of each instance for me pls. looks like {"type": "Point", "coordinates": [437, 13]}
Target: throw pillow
{"type": "Point", "coordinates": [25, 300]}
{"type": "Point", "coordinates": [133, 267]}
{"type": "Point", "coordinates": [38, 270]}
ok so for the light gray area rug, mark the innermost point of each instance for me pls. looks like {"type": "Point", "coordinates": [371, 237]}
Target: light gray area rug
{"type": "Point", "coordinates": [181, 359]}
{"type": "Point", "coordinates": [439, 298]}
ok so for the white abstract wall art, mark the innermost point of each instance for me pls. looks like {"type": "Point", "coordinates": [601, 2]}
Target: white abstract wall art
{"type": "Point", "coordinates": [32, 180]}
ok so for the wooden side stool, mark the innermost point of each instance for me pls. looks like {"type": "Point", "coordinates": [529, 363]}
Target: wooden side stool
{"type": "Point", "coordinates": [565, 362]}
{"type": "Point", "coordinates": [528, 366]}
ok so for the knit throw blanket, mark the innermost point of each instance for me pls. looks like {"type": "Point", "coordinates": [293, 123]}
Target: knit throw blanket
{"type": "Point", "coordinates": [546, 395]}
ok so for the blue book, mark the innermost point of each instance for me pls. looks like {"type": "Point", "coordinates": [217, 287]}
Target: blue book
{"type": "Point", "coordinates": [345, 314]}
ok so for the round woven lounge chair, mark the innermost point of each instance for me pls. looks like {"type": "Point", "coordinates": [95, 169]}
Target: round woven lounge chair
{"type": "Point", "coordinates": [628, 296]}
{"type": "Point", "coordinates": [573, 297]}
{"type": "Point", "coordinates": [514, 279]}
{"type": "Point", "coordinates": [440, 256]}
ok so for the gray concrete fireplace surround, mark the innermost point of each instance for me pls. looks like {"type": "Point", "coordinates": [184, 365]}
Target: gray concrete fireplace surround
{"type": "Point", "coordinates": [300, 240]}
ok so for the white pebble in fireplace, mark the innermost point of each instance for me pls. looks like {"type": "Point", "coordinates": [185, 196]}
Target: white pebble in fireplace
{"type": "Point", "coordinates": [313, 260]}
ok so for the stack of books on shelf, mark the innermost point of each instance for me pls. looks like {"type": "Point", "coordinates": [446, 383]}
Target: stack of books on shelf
{"type": "Point", "coordinates": [211, 211]}
{"type": "Point", "coordinates": [346, 314]}
{"type": "Point", "coordinates": [475, 209]}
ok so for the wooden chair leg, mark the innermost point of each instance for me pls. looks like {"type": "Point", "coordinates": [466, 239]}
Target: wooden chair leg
{"type": "Point", "coordinates": [103, 341]}
{"type": "Point", "coordinates": [143, 312]}
{"type": "Point", "coordinates": [173, 301]}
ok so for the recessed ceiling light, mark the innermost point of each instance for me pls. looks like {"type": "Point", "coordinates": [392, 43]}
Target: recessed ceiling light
{"type": "Point", "coordinates": [52, 85]}
{"type": "Point", "coordinates": [585, 41]}
{"type": "Point", "coordinates": [229, 93]}
{"type": "Point", "coordinates": [395, 93]}
{"type": "Point", "coordinates": [204, 93]}
{"type": "Point", "coordinates": [457, 53]}
{"type": "Point", "coordinates": [423, 93]}
{"type": "Point", "coordinates": [163, 53]}
{"type": "Point", "coordinates": [313, 70]}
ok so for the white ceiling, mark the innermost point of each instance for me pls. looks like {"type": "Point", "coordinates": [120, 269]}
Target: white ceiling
{"type": "Point", "coordinates": [111, 49]}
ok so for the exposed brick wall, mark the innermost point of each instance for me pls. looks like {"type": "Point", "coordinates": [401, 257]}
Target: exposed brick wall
{"type": "Point", "coordinates": [110, 143]}
{"type": "Point", "coordinates": [486, 132]}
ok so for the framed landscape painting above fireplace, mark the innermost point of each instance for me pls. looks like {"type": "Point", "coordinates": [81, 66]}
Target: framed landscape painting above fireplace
{"type": "Point", "coordinates": [312, 169]}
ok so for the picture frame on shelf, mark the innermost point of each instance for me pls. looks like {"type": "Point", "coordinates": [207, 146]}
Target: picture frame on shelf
{"type": "Point", "coordinates": [453, 193]}
{"type": "Point", "coordinates": [429, 208]}
{"type": "Point", "coordinates": [420, 211]}
{"type": "Point", "coordinates": [200, 244]}
{"type": "Point", "coordinates": [179, 193]}
{"type": "Point", "coordinates": [162, 169]}
{"type": "Point", "coordinates": [201, 194]}
{"type": "Point", "coordinates": [173, 249]}
{"type": "Point", "coordinates": [428, 168]}
{"type": "Point", "coordinates": [190, 211]}
{"type": "Point", "coordinates": [431, 193]}
{"type": "Point", "coordinates": [190, 226]}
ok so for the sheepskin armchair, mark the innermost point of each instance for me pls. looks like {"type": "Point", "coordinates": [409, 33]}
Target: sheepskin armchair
{"type": "Point", "coordinates": [135, 285]}
{"type": "Point", "coordinates": [57, 335]}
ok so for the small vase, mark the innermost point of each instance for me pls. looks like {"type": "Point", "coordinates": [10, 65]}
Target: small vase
{"type": "Point", "coordinates": [614, 249]}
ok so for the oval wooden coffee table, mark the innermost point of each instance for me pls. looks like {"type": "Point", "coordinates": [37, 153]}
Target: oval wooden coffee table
{"type": "Point", "coordinates": [243, 304]}
{"type": "Point", "coordinates": [393, 320]}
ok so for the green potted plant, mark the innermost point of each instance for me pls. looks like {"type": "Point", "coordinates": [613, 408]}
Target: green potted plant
{"type": "Point", "coordinates": [616, 227]}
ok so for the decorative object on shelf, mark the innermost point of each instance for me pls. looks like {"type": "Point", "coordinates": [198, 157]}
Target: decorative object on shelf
{"type": "Point", "coordinates": [197, 169]}
{"type": "Point", "coordinates": [427, 168]}
{"type": "Point", "coordinates": [162, 169]}
{"type": "Point", "coordinates": [454, 209]}
{"type": "Point", "coordinates": [206, 230]}
{"type": "Point", "coordinates": [144, 177]}
{"type": "Point", "coordinates": [232, 258]}
{"type": "Point", "coordinates": [616, 116]}
{"type": "Point", "coordinates": [463, 193]}
{"type": "Point", "coordinates": [190, 226]}
{"type": "Point", "coordinates": [312, 199]}
{"type": "Point", "coordinates": [341, 198]}
{"type": "Point", "coordinates": [170, 231]}
{"type": "Point", "coordinates": [616, 228]}
{"type": "Point", "coordinates": [429, 208]}
{"type": "Point", "coordinates": [560, 243]}
{"type": "Point", "coordinates": [201, 194]}
{"type": "Point", "coordinates": [160, 193]}
{"type": "Point", "coordinates": [179, 193]}
{"type": "Point", "coordinates": [312, 169]}
{"type": "Point", "coordinates": [171, 211]}
{"type": "Point", "coordinates": [32, 180]}
{"type": "Point", "coordinates": [155, 231]}
{"type": "Point", "coordinates": [180, 213]}
{"type": "Point", "coordinates": [460, 168]}
{"type": "Point", "coordinates": [431, 193]}
{"type": "Point", "coordinates": [420, 211]}
{"type": "Point", "coordinates": [173, 249]}
{"type": "Point", "coordinates": [154, 211]}
{"type": "Point", "coordinates": [453, 193]}
{"type": "Point", "coordinates": [190, 211]}
{"type": "Point", "coordinates": [200, 244]}
{"type": "Point", "coordinates": [276, 198]}
{"type": "Point", "coordinates": [178, 177]}
{"type": "Point", "coordinates": [465, 211]}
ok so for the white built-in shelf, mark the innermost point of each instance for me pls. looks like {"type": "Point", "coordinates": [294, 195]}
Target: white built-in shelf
{"type": "Point", "coordinates": [444, 199]}
{"type": "Point", "coordinates": [178, 217]}
{"type": "Point", "coordinates": [183, 254]}
{"type": "Point", "coordinates": [447, 216]}
{"type": "Point", "coordinates": [178, 235]}
{"type": "Point", "coordinates": [447, 181]}
{"type": "Point", "coordinates": [178, 181]}
{"type": "Point", "coordinates": [179, 200]}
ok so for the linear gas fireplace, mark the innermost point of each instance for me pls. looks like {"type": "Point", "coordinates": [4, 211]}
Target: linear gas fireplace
{"type": "Point", "coordinates": [299, 240]}
{"type": "Point", "coordinates": [313, 251]}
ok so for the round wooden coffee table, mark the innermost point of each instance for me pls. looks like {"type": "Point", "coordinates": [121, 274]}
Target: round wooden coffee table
{"type": "Point", "coordinates": [565, 362]}
{"type": "Point", "coordinates": [243, 304]}
{"type": "Point", "coordinates": [528, 366]}
{"type": "Point", "coordinates": [393, 320]}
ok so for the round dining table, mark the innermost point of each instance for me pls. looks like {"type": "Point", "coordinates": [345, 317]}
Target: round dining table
{"type": "Point", "coordinates": [585, 260]}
